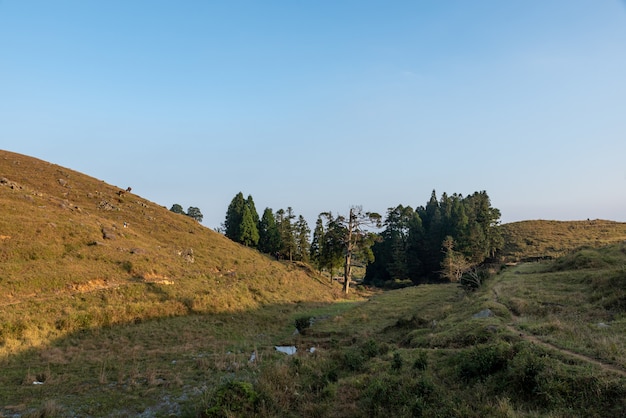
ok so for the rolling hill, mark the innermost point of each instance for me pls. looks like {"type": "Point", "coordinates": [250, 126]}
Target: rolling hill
{"type": "Point", "coordinates": [111, 305]}
{"type": "Point", "coordinates": [550, 239]}
{"type": "Point", "coordinates": [64, 234]}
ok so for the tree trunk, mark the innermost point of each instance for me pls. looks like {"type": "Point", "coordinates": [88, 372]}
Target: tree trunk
{"type": "Point", "coordinates": [347, 271]}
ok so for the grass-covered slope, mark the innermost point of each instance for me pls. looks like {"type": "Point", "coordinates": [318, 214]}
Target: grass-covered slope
{"type": "Point", "coordinates": [549, 239]}
{"type": "Point", "coordinates": [167, 318]}
{"type": "Point", "coordinates": [77, 253]}
{"type": "Point", "coordinates": [539, 339]}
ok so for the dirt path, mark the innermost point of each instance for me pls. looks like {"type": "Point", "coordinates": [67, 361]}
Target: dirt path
{"type": "Point", "coordinates": [536, 340]}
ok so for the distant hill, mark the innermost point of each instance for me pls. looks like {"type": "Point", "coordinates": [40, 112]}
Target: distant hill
{"type": "Point", "coordinates": [63, 234]}
{"type": "Point", "coordinates": [539, 238]}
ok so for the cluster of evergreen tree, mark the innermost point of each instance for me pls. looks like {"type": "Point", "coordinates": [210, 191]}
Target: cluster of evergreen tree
{"type": "Point", "coordinates": [443, 239]}
{"type": "Point", "coordinates": [192, 212]}
{"type": "Point", "coordinates": [280, 233]}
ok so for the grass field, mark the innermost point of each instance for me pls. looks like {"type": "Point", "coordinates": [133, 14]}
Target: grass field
{"type": "Point", "coordinates": [167, 318]}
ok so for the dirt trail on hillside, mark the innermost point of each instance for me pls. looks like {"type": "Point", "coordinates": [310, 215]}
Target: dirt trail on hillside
{"type": "Point", "coordinates": [536, 340]}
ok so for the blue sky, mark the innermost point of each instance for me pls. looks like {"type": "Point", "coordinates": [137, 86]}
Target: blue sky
{"type": "Point", "coordinates": [327, 104]}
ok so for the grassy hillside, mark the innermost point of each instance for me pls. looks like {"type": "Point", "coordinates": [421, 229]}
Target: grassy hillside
{"type": "Point", "coordinates": [539, 339]}
{"type": "Point", "coordinates": [538, 239]}
{"type": "Point", "coordinates": [76, 253]}
{"type": "Point", "coordinates": [164, 317]}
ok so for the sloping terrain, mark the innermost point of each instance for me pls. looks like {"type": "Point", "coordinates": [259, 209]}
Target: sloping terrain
{"type": "Point", "coordinates": [549, 239]}
{"type": "Point", "coordinates": [111, 305]}
{"type": "Point", "coordinates": [78, 253]}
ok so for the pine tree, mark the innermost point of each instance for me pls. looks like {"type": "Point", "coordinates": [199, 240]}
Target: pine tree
{"type": "Point", "coordinates": [234, 217]}
{"type": "Point", "coordinates": [269, 237]}
{"type": "Point", "coordinates": [249, 234]}
{"type": "Point", "coordinates": [253, 211]}
{"type": "Point", "coordinates": [286, 230]}
{"type": "Point", "coordinates": [315, 251]}
{"type": "Point", "coordinates": [357, 240]}
{"type": "Point", "coordinates": [302, 236]}
{"type": "Point", "coordinates": [334, 243]}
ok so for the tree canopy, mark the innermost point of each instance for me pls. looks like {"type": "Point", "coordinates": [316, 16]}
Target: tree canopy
{"type": "Point", "coordinates": [440, 240]}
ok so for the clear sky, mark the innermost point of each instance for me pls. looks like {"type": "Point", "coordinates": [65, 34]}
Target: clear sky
{"type": "Point", "coordinates": [323, 105]}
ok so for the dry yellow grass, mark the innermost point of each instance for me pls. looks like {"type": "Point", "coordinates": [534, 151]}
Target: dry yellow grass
{"type": "Point", "coordinates": [76, 253]}
{"type": "Point", "coordinates": [540, 238]}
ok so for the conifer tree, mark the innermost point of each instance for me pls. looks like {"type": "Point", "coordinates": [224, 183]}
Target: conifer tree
{"type": "Point", "coordinates": [286, 229]}
{"type": "Point", "coordinates": [302, 235]}
{"type": "Point", "coordinates": [253, 211]}
{"type": "Point", "coordinates": [269, 237]}
{"type": "Point", "coordinates": [332, 248]}
{"type": "Point", "coordinates": [249, 233]}
{"type": "Point", "coordinates": [234, 217]}
{"type": "Point", "coordinates": [315, 251]}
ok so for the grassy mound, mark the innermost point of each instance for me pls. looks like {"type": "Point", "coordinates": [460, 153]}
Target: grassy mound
{"type": "Point", "coordinates": [550, 239]}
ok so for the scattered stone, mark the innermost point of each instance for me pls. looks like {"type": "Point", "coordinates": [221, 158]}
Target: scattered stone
{"type": "Point", "coordinates": [6, 182]}
{"type": "Point", "coordinates": [187, 255]}
{"type": "Point", "coordinates": [62, 182]}
{"type": "Point", "coordinates": [485, 313]}
{"type": "Point", "coordinates": [138, 251]}
{"type": "Point", "coordinates": [108, 234]}
{"type": "Point", "coordinates": [105, 205]}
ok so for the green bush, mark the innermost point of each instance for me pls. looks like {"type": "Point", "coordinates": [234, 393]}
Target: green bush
{"type": "Point", "coordinates": [233, 399]}
{"type": "Point", "coordinates": [303, 323]}
{"type": "Point", "coordinates": [397, 362]}
{"type": "Point", "coordinates": [484, 360]}
{"type": "Point", "coordinates": [421, 362]}
{"type": "Point", "coordinates": [398, 395]}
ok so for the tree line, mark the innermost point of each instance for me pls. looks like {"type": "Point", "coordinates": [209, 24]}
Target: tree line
{"type": "Point", "coordinates": [441, 240]}
{"type": "Point", "coordinates": [281, 233]}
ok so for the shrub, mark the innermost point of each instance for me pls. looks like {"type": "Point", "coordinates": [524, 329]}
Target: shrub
{"type": "Point", "coordinates": [482, 361]}
{"type": "Point", "coordinates": [127, 266]}
{"type": "Point", "coordinates": [303, 323]}
{"type": "Point", "coordinates": [397, 362]}
{"type": "Point", "coordinates": [524, 373]}
{"type": "Point", "coordinates": [370, 348]}
{"type": "Point", "coordinates": [421, 362]}
{"type": "Point", "coordinates": [237, 398]}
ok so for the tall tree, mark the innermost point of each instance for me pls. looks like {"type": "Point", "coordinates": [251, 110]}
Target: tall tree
{"type": "Point", "coordinates": [284, 221]}
{"type": "Point", "coordinates": [234, 217]}
{"type": "Point", "coordinates": [358, 240]}
{"type": "Point", "coordinates": [253, 211]}
{"type": "Point", "coordinates": [249, 233]}
{"type": "Point", "coordinates": [333, 243]}
{"type": "Point", "coordinates": [315, 250]}
{"type": "Point", "coordinates": [269, 237]}
{"type": "Point", "coordinates": [302, 234]}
